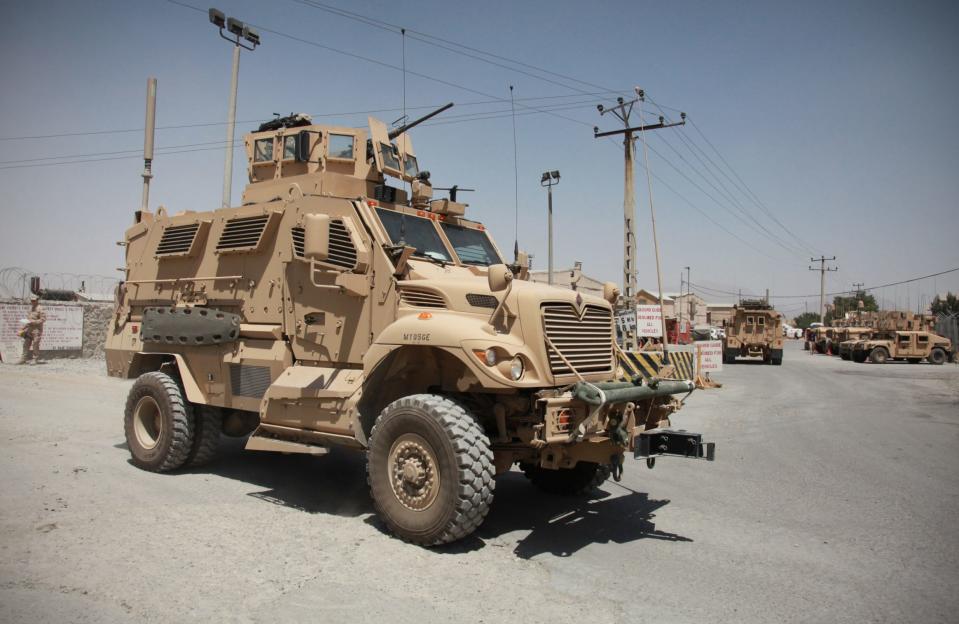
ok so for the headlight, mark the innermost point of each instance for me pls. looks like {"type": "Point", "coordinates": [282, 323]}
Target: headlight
{"type": "Point", "coordinates": [516, 368]}
{"type": "Point", "coordinates": [490, 357]}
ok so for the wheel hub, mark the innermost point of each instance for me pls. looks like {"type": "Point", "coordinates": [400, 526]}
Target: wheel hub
{"type": "Point", "coordinates": [147, 422]}
{"type": "Point", "coordinates": [414, 477]}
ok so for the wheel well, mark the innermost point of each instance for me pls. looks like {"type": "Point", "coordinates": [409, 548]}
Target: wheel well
{"type": "Point", "coordinates": [151, 362]}
{"type": "Point", "coordinates": [411, 370]}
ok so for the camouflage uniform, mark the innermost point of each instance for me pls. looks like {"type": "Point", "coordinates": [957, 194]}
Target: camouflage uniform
{"type": "Point", "coordinates": [32, 333]}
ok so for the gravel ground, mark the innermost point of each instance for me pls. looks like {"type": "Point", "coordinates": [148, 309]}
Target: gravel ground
{"type": "Point", "coordinates": [833, 498]}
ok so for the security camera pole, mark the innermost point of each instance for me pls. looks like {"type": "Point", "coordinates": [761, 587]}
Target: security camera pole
{"type": "Point", "coordinates": [622, 111]}
{"type": "Point", "coordinates": [237, 30]}
{"type": "Point", "coordinates": [550, 179]}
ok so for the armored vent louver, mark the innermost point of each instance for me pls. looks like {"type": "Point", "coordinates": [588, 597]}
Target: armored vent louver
{"type": "Point", "coordinates": [342, 249]}
{"type": "Point", "coordinates": [482, 301]}
{"type": "Point", "coordinates": [421, 298]}
{"type": "Point", "coordinates": [242, 233]}
{"type": "Point", "coordinates": [177, 240]}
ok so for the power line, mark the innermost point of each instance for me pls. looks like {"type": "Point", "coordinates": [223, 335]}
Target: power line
{"type": "Point", "coordinates": [841, 292]}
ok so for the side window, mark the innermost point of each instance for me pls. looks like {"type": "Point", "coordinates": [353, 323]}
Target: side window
{"type": "Point", "coordinates": [341, 146]}
{"type": "Point", "coordinates": [761, 321]}
{"type": "Point", "coordinates": [263, 150]}
{"type": "Point", "coordinates": [289, 147]}
{"type": "Point", "coordinates": [904, 341]}
{"type": "Point", "coordinates": [922, 341]}
{"type": "Point", "coordinates": [388, 154]}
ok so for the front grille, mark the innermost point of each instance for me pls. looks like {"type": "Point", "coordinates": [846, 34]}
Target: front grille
{"type": "Point", "coordinates": [586, 342]}
{"type": "Point", "coordinates": [177, 240]}
{"type": "Point", "coordinates": [421, 298]}
{"type": "Point", "coordinates": [482, 301]}
{"type": "Point", "coordinates": [242, 233]}
{"type": "Point", "coordinates": [342, 249]}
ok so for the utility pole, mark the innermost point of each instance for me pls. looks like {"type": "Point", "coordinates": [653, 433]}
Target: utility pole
{"type": "Point", "coordinates": [822, 283]}
{"type": "Point", "coordinates": [622, 111]}
{"type": "Point", "coordinates": [238, 30]}
{"type": "Point", "coordinates": [549, 180]}
{"type": "Point", "coordinates": [689, 297]}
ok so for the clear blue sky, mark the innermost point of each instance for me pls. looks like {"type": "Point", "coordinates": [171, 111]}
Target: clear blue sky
{"type": "Point", "coordinates": [840, 117]}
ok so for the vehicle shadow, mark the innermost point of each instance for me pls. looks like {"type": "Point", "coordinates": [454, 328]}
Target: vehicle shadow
{"type": "Point", "coordinates": [334, 483]}
{"type": "Point", "coordinates": [545, 524]}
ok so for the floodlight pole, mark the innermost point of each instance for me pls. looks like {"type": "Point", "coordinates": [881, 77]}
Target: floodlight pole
{"type": "Point", "coordinates": [622, 111]}
{"type": "Point", "coordinates": [237, 30]}
{"type": "Point", "coordinates": [550, 179]}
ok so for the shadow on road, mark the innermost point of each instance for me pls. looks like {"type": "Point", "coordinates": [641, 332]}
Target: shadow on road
{"type": "Point", "coordinates": [336, 484]}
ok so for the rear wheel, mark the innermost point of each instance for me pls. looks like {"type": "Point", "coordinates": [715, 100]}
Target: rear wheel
{"type": "Point", "coordinates": [430, 470]}
{"type": "Point", "coordinates": [937, 356]}
{"type": "Point", "coordinates": [879, 355]}
{"type": "Point", "coordinates": [844, 356]}
{"type": "Point", "coordinates": [158, 423]}
{"type": "Point", "coordinates": [208, 425]}
{"type": "Point", "coordinates": [777, 361]}
{"type": "Point", "coordinates": [579, 480]}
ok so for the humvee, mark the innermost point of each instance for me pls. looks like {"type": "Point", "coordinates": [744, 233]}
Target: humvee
{"type": "Point", "coordinates": [333, 309]}
{"type": "Point", "coordinates": [755, 330]}
{"type": "Point", "coordinates": [913, 346]}
{"type": "Point", "coordinates": [849, 337]}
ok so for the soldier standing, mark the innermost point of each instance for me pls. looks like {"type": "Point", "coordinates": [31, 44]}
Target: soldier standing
{"type": "Point", "coordinates": [33, 331]}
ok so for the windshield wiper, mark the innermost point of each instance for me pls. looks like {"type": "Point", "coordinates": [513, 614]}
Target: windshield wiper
{"type": "Point", "coordinates": [432, 256]}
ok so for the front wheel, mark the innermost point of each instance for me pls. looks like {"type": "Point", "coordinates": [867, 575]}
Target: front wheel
{"type": "Point", "coordinates": [879, 355]}
{"type": "Point", "coordinates": [937, 356]}
{"type": "Point", "coordinates": [579, 480]}
{"type": "Point", "coordinates": [158, 423]}
{"type": "Point", "coordinates": [430, 470]}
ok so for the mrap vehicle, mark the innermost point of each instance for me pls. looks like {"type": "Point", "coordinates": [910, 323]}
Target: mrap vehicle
{"type": "Point", "coordinates": [333, 309]}
{"type": "Point", "coordinates": [755, 330]}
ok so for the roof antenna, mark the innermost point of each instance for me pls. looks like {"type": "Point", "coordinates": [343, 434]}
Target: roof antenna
{"type": "Point", "coordinates": [512, 108]}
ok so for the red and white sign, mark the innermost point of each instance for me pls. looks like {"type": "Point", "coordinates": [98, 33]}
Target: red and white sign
{"type": "Point", "coordinates": [649, 321]}
{"type": "Point", "coordinates": [709, 356]}
{"type": "Point", "coordinates": [63, 330]}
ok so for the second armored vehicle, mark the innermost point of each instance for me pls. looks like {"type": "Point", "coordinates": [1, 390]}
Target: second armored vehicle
{"type": "Point", "coordinates": [755, 330]}
{"type": "Point", "coordinates": [913, 346]}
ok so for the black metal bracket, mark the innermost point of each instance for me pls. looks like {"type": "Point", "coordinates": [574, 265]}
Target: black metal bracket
{"type": "Point", "coordinates": [674, 443]}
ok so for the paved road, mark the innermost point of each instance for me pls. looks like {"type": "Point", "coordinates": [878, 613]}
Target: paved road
{"type": "Point", "coordinates": [834, 498]}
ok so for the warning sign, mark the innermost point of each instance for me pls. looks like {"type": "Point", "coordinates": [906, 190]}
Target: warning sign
{"type": "Point", "coordinates": [709, 355]}
{"type": "Point", "coordinates": [63, 330]}
{"type": "Point", "coordinates": [649, 321]}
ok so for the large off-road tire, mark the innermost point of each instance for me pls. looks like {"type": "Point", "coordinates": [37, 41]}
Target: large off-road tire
{"type": "Point", "coordinates": [777, 360]}
{"type": "Point", "coordinates": [844, 356]}
{"type": "Point", "coordinates": [207, 427]}
{"type": "Point", "coordinates": [879, 355]}
{"type": "Point", "coordinates": [579, 480]}
{"type": "Point", "coordinates": [158, 423]}
{"type": "Point", "coordinates": [937, 356]}
{"type": "Point", "coordinates": [858, 357]}
{"type": "Point", "coordinates": [430, 470]}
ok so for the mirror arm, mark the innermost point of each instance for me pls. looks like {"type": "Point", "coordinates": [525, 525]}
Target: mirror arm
{"type": "Point", "coordinates": [501, 305]}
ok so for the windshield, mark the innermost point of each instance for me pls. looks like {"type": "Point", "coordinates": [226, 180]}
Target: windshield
{"type": "Point", "coordinates": [415, 232]}
{"type": "Point", "coordinates": [472, 246]}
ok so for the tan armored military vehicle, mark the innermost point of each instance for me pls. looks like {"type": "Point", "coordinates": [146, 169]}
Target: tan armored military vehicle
{"type": "Point", "coordinates": [913, 346]}
{"type": "Point", "coordinates": [334, 309]}
{"type": "Point", "coordinates": [755, 330]}
{"type": "Point", "coordinates": [849, 337]}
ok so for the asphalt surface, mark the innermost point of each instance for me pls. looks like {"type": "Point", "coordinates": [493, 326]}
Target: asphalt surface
{"type": "Point", "coordinates": [834, 498]}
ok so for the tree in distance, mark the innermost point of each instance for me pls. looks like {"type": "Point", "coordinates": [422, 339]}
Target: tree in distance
{"type": "Point", "coordinates": [805, 319]}
{"type": "Point", "coordinates": [949, 305]}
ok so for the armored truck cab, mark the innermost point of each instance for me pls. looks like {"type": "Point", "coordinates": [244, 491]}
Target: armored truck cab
{"type": "Point", "coordinates": [755, 330]}
{"type": "Point", "coordinates": [849, 337]}
{"type": "Point", "coordinates": [333, 308]}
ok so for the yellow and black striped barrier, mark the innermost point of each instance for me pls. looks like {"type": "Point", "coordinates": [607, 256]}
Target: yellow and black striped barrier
{"type": "Point", "coordinates": [649, 363]}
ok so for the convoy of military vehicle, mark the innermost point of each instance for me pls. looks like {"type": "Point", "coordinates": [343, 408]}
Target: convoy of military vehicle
{"type": "Point", "coordinates": [879, 337]}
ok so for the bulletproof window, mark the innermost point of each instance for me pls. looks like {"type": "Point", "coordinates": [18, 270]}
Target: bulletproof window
{"type": "Point", "coordinates": [415, 232]}
{"type": "Point", "coordinates": [388, 154]}
{"type": "Point", "coordinates": [923, 340]}
{"type": "Point", "coordinates": [472, 246]}
{"type": "Point", "coordinates": [289, 147]}
{"type": "Point", "coordinates": [761, 320]}
{"type": "Point", "coordinates": [341, 146]}
{"type": "Point", "coordinates": [263, 150]}
{"type": "Point", "coordinates": [410, 167]}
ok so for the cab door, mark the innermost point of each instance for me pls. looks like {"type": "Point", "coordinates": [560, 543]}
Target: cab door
{"type": "Point", "coordinates": [904, 345]}
{"type": "Point", "coordinates": [328, 307]}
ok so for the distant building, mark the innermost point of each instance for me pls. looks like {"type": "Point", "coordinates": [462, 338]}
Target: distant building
{"type": "Point", "coordinates": [646, 297]}
{"type": "Point", "coordinates": [718, 314]}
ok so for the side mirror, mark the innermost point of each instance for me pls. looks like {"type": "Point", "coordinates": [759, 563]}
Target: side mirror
{"type": "Point", "coordinates": [303, 146]}
{"type": "Point", "coordinates": [316, 237]}
{"type": "Point", "coordinates": [499, 277]}
{"type": "Point", "coordinates": [610, 292]}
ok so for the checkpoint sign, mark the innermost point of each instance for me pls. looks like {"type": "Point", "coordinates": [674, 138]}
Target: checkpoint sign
{"type": "Point", "coordinates": [649, 321]}
{"type": "Point", "coordinates": [63, 330]}
{"type": "Point", "coordinates": [709, 355]}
